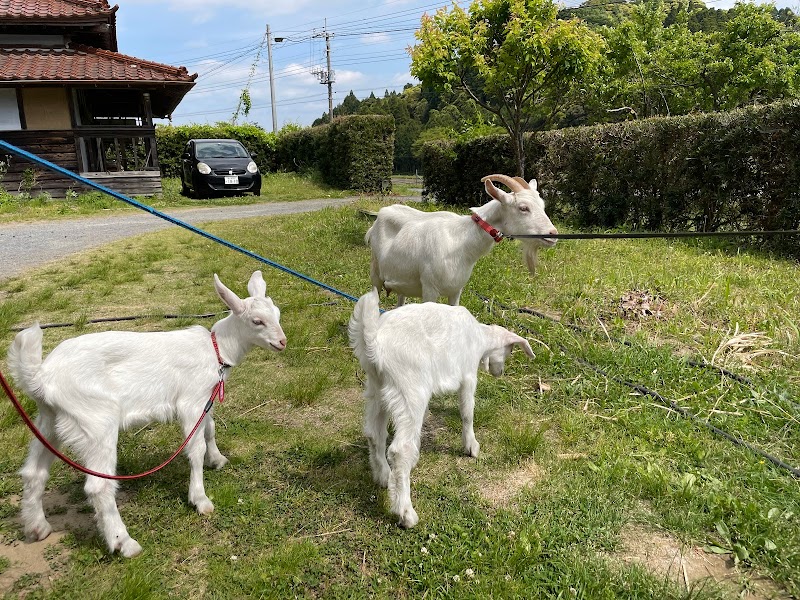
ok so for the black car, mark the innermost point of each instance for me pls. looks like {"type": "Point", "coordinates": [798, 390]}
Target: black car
{"type": "Point", "coordinates": [218, 167]}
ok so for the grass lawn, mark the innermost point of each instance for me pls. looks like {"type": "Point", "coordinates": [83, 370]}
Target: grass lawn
{"type": "Point", "coordinates": [584, 488]}
{"type": "Point", "coordinates": [275, 187]}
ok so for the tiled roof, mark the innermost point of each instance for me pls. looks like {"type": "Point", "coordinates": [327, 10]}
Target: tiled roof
{"type": "Point", "coordinates": [83, 63]}
{"type": "Point", "coordinates": [53, 9]}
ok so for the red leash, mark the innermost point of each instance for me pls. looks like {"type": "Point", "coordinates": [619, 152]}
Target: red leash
{"type": "Point", "coordinates": [218, 391]}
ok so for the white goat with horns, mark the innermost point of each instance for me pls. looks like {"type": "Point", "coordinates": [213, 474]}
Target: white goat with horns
{"type": "Point", "coordinates": [409, 354]}
{"type": "Point", "coordinates": [91, 386]}
{"type": "Point", "coordinates": [429, 255]}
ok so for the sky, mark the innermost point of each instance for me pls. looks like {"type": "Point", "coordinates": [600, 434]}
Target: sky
{"type": "Point", "coordinates": [224, 43]}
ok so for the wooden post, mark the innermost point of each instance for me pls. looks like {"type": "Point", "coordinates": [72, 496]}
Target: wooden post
{"type": "Point", "coordinates": [150, 141]}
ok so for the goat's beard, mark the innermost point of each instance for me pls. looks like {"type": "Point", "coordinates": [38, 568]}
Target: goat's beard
{"type": "Point", "coordinates": [531, 253]}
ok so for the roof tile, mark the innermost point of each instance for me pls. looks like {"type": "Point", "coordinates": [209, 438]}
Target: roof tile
{"type": "Point", "coordinates": [84, 63]}
{"type": "Point", "coordinates": [53, 9]}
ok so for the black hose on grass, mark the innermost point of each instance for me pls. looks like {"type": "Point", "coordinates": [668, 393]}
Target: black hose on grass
{"type": "Point", "coordinates": [666, 401]}
{"type": "Point", "coordinates": [129, 318]}
{"type": "Point", "coordinates": [692, 363]}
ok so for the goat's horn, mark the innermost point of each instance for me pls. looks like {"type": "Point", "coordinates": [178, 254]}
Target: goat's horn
{"type": "Point", "coordinates": [523, 182]}
{"type": "Point", "coordinates": [512, 183]}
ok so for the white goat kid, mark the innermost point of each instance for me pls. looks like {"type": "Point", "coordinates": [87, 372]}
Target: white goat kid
{"type": "Point", "coordinates": [428, 255]}
{"type": "Point", "coordinates": [409, 354]}
{"type": "Point", "coordinates": [91, 386]}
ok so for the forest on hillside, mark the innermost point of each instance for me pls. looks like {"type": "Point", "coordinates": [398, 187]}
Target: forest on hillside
{"type": "Point", "coordinates": [658, 58]}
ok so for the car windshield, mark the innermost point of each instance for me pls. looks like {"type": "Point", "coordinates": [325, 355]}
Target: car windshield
{"type": "Point", "coordinates": [220, 150]}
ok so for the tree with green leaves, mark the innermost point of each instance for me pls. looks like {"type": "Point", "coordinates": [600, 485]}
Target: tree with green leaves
{"type": "Point", "coordinates": [514, 58]}
{"type": "Point", "coordinates": [747, 56]}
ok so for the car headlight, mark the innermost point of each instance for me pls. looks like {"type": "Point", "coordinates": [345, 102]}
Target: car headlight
{"type": "Point", "coordinates": [252, 167]}
{"type": "Point", "coordinates": [203, 168]}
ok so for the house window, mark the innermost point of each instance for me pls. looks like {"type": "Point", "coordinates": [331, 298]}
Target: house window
{"type": "Point", "coordinates": [46, 108]}
{"type": "Point", "coordinates": [9, 110]}
{"type": "Point", "coordinates": [120, 108]}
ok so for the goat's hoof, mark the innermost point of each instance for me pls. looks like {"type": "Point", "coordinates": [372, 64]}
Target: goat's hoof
{"type": "Point", "coordinates": [218, 462]}
{"type": "Point", "coordinates": [130, 548]}
{"type": "Point", "coordinates": [472, 449]}
{"type": "Point", "coordinates": [204, 506]}
{"type": "Point", "coordinates": [37, 534]}
{"type": "Point", "coordinates": [408, 519]}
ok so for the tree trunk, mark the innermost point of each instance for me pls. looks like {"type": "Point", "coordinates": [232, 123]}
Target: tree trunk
{"type": "Point", "coordinates": [519, 152]}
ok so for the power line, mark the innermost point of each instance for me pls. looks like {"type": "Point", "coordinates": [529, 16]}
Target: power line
{"type": "Point", "coordinates": [293, 101]}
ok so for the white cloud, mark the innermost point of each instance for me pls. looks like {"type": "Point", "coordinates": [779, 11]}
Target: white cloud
{"type": "Point", "coordinates": [344, 77]}
{"type": "Point", "coordinates": [376, 38]}
{"type": "Point", "coordinates": [404, 78]}
{"type": "Point", "coordinates": [202, 11]}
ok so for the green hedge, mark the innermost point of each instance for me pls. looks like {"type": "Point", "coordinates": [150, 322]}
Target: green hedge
{"type": "Point", "coordinates": [703, 172]}
{"type": "Point", "coordinates": [171, 141]}
{"type": "Point", "coordinates": [353, 152]}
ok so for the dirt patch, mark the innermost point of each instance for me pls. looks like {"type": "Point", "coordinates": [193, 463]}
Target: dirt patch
{"type": "Point", "coordinates": [500, 491]}
{"type": "Point", "coordinates": [433, 426]}
{"type": "Point", "coordinates": [190, 571]}
{"type": "Point", "coordinates": [690, 566]}
{"type": "Point", "coordinates": [38, 563]}
{"type": "Point", "coordinates": [340, 409]}
{"type": "Point", "coordinates": [641, 304]}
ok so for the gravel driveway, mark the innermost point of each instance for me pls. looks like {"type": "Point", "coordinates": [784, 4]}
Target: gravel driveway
{"type": "Point", "coordinates": [27, 245]}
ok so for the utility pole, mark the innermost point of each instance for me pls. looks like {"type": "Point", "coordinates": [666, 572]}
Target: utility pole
{"type": "Point", "coordinates": [326, 77]}
{"type": "Point", "coordinates": [271, 82]}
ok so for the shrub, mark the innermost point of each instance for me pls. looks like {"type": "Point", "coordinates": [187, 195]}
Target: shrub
{"type": "Point", "coordinates": [353, 152]}
{"type": "Point", "coordinates": [702, 172]}
{"type": "Point", "coordinates": [171, 141]}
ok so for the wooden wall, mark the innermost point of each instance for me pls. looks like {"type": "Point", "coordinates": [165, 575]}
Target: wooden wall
{"type": "Point", "coordinates": [59, 148]}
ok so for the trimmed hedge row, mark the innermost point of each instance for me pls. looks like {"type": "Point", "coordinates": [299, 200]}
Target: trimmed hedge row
{"type": "Point", "coordinates": [171, 141]}
{"type": "Point", "coordinates": [703, 172]}
{"type": "Point", "coordinates": [353, 152]}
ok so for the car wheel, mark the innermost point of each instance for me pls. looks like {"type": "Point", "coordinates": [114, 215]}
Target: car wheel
{"type": "Point", "coordinates": [184, 189]}
{"type": "Point", "coordinates": [257, 192]}
{"type": "Point", "coordinates": [201, 190]}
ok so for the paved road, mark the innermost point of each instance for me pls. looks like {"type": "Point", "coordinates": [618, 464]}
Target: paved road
{"type": "Point", "coordinates": [27, 245]}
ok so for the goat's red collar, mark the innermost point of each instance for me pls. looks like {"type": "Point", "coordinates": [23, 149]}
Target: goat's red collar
{"type": "Point", "coordinates": [219, 390]}
{"type": "Point", "coordinates": [222, 363]}
{"type": "Point", "coordinates": [496, 234]}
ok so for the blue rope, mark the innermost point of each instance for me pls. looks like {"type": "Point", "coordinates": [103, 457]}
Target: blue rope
{"type": "Point", "coordinates": [53, 167]}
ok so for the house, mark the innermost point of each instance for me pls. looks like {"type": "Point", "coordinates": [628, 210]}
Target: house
{"type": "Point", "coordinates": [68, 95]}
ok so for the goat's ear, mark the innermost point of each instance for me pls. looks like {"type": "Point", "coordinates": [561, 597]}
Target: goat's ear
{"type": "Point", "coordinates": [256, 285]}
{"type": "Point", "coordinates": [513, 338]}
{"type": "Point", "coordinates": [532, 183]}
{"type": "Point", "coordinates": [500, 195]}
{"type": "Point", "coordinates": [230, 299]}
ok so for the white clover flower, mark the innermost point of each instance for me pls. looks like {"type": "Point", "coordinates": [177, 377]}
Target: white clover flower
{"type": "Point", "coordinates": [508, 577]}
{"type": "Point", "coordinates": [456, 578]}
{"type": "Point", "coordinates": [424, 550]}
{"type": "Point", "coordinates": [431, 536]}
{"type": "Point", "coordinates": [234, 558]}
{"type": "Point", "coordinates": [470, 574]}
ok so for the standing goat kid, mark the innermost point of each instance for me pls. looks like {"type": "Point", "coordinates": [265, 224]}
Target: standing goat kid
{"type": "Point", "coordinates": [90, 387]}
{"type": "Point", "coordinates": [429, 255]}
{"type": "Point", "coordinates": [409, 354]}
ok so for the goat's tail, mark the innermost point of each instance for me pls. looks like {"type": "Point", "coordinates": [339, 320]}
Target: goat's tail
{"type": "Point", "coordinates": [25, 361]}
{"type": "Point", "coordinates": [368, 235]}
{"type": "Point", "coordinates": [364, 327]}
